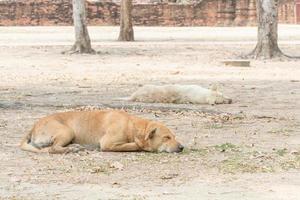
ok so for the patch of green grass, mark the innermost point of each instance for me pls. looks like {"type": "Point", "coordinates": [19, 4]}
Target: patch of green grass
{"type": "Point", "coordinates": [200, 151]}
{"type": "Point", "coordinates": [293, 163]}
{"type": "Point", "coordinates": [238, 164]}
{"type": "Point", "coordinates": [214, 126]}
{"type": "Point", "coordinates": [226, 147]}
{"type": "Point", "coordinates": [282, 152]}
{"type": "Point", "coordinates": [234, 165]}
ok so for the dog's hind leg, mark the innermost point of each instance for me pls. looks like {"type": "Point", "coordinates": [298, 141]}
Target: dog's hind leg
{"type": "Point", "coordinates": [53, 138]}
{"type": "Point", "coordinates": [61, 139]}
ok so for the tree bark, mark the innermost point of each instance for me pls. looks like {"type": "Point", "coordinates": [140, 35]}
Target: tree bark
{"type": "Point", "coordinates": [126, 30]}
{"type": "Point", "coordinates": [82, 38]}
{"type": "Point", "coordinates": [266, 46]}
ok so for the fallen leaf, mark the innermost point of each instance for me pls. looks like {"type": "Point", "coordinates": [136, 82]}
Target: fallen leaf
{"type": "Point", "coordinates": [169, 176]}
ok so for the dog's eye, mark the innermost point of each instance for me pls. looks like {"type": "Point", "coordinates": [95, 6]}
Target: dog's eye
{"type": "Point", "coordinates": [167, 137]}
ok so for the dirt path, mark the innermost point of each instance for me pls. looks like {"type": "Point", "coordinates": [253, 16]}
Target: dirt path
{"type": "Point", "coordinates": [247, 150]}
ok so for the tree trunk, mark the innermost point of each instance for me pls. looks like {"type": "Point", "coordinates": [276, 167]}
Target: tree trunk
{"type": "Point", "coordinates": [82, 38]}
{"type": "Point", "coordinates": [126, 30]}
{"type": "Point", "coordinates": [266, 46]}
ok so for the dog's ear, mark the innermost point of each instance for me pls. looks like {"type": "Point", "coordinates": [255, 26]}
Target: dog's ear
{"type": "Point", "coordinates": [214, 88]}
{"type": "Point", "coordinates": [150, 134]}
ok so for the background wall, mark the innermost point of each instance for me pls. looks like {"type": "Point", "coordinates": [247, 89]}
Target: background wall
{"type": "Point", "coordinates": [203, 13]}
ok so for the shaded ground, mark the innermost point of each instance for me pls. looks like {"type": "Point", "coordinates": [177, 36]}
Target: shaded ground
{"type": "Point", "coordinates": [247, 150]}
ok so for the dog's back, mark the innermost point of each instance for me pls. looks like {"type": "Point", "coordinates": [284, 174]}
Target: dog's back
{"type": "Point", "coordinates": [171, 94]}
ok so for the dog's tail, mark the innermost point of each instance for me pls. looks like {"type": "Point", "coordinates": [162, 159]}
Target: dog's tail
{"type": "Point", "coordinates": [26, 143]}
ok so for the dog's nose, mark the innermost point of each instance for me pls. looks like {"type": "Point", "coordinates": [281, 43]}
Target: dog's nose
{"type": "Point", "coordinates": [229, 101]}
{"type": "Point", "coordinates": [180, 147]}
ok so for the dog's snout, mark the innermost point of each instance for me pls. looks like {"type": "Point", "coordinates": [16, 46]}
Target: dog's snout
{"type": "Point", "coordinates": [180, 147]}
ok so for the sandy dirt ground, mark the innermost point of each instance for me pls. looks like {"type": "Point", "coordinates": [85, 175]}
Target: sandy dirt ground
{"type": "Point", "coordinates": [247, 150]}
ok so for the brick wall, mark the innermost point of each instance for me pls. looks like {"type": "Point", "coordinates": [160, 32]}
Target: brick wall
{"type": "Point", "coordinates": [205, 13]}
{"type": "Point", "coordinates": [286, 11]}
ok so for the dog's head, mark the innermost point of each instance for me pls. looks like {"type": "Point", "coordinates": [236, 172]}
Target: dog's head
{"type": "Point", "coordinates": [217, 97]}
{"type": "Point", "coordinates": [158, 138]}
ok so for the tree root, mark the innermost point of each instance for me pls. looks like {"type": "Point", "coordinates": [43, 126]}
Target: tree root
{"type": "Point", "coordinates": [276, 55]}
{"type": "Point", "coordinates": [79, 49]}
{"type": "Point", "coordinates": [126, 35]}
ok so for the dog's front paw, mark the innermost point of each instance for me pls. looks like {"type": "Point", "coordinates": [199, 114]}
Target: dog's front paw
{"type": "Point", "coordinates": [139, 143]}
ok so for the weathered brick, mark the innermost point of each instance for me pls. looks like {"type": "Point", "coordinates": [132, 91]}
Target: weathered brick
{"type": "Point", "coordinates": [205, 13]}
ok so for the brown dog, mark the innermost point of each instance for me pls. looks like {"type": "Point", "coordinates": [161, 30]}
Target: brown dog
{"type": "Point", "coordinates": [110, 130]}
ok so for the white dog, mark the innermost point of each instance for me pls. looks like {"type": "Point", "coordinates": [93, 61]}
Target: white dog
{"type": "Point", "coordinates": [193, 94]}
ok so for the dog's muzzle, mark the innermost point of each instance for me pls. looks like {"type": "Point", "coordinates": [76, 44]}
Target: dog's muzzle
{"type": "Point", "coordinates": [180, 148]}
